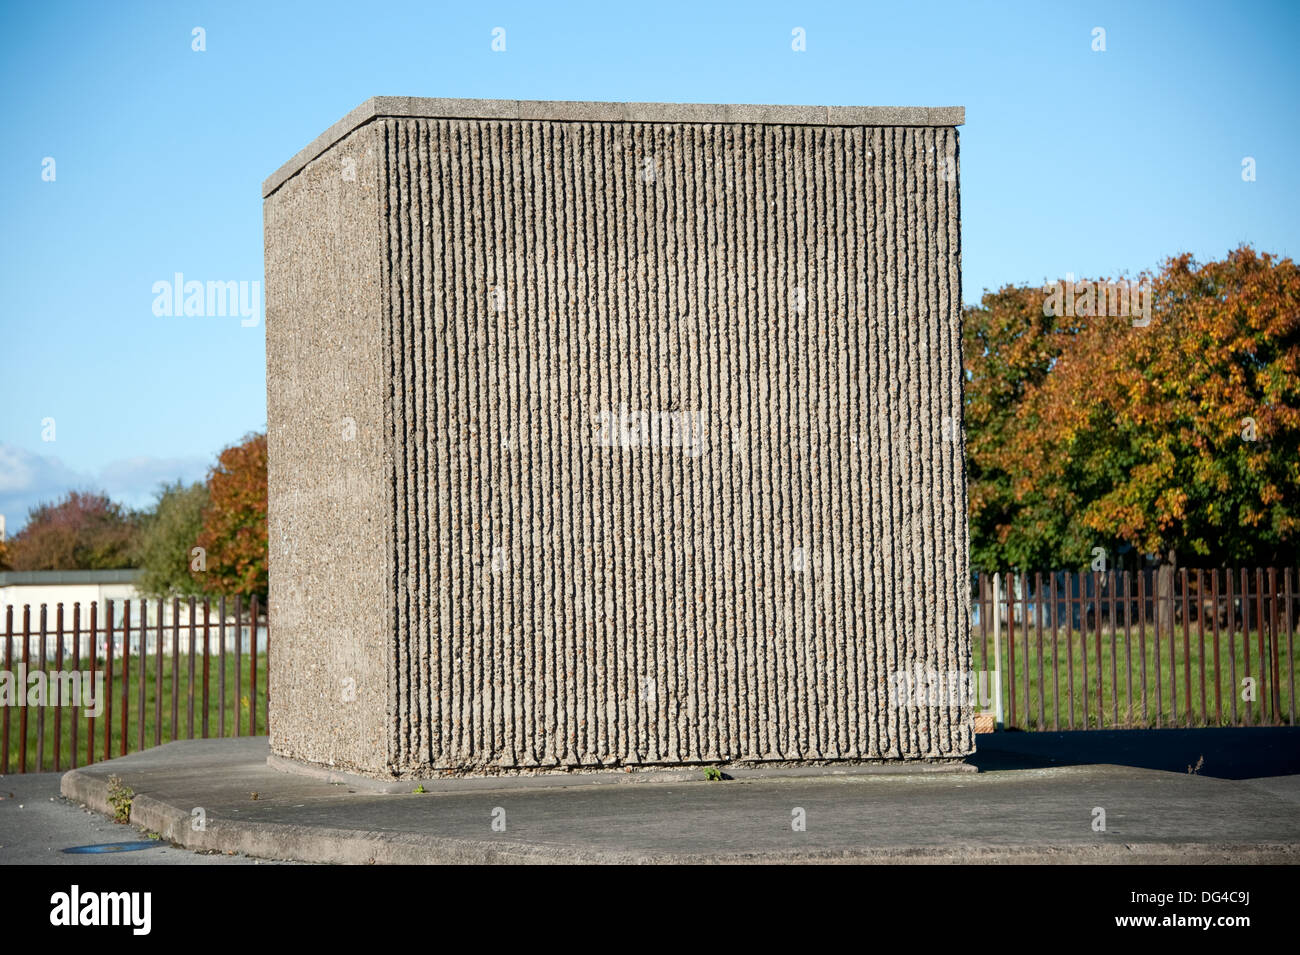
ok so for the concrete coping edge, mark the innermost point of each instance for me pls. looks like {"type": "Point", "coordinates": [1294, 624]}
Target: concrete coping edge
{"type": "Point", "coordinates": [416, 107]}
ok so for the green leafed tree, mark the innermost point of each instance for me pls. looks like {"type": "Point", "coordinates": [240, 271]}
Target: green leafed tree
{"type": "Point", "coordinates": [172, 562]}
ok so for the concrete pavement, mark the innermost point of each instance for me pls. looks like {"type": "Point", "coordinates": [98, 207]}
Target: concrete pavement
{"type": "Point", "coordinates": [1036, 799]}
{"type": "Point", "coordinates": [37, 823]}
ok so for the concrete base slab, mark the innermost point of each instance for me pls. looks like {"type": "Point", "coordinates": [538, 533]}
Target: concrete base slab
{"type": "Point", "coordinates": [223, 795]}
{"type": "Point", "coordinates": [548, 778]}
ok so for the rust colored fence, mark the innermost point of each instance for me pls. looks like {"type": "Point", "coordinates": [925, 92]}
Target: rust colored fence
{"type": "Point", "coordinates": [1108, 649]}
{"type": "Point", "coordinates": [1082, 650]}
{"type": "Point", "coordinates": [82, 687]}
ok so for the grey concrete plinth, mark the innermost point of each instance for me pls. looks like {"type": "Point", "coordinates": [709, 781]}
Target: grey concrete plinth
{"type": "Point", "coordinates": [610, 435]}
{"type": "Point", "coordinates": [584, 775]}
{"type": "Point", "coordinates": [1020, 810]}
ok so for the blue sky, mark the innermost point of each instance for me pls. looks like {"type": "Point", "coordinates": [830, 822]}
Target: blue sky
{"type": "Point", "coordinates": [1073, 160]}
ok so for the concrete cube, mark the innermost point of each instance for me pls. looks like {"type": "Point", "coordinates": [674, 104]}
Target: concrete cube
{"type": "Point", "coordinates": [606, 435]}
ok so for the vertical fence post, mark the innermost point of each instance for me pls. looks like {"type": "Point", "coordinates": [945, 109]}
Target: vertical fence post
{"type": "Point", "coordinates": [1200, 638]}
{"type": "Point", "coordinates": [56, 686]}
{"type": "Point", "coordinates": [207, 607]}
{"type": "Point", "coordinates": [1056, 669]}
{"type": "Point", "coordinates": [1290, 652]}
{"type": "Point", "coordinates": [221, 666]}
{"type": "Point", "coordinates": [1276, 696]}
{"type": "Point", "coordinates": [8, 667]}
{"type": "Point", "coordinates": [1187, 650]}
{"type": "Point", "coordinates": [1085, 689]}
{"type": "Point", "coordinates": [1173, 642]}
{"type": "Point", "coordinates": [1114, 658]}
{"type": "Point", "coordinates": [239, 645]}
{"type": "Point", "coordinates": [1011, 644]}
{"type": "Point", "coordinates": [1038, 632]}
{"type": "Point", "coordinates": [1024, 619]}
{"type": "Point", "coordinates": [141, 695]}
{"type": "Point", "coordinates": [1142, 639]}
{"type": "Point", "coordinates": [1231, 604]}
{"type": "Point", "coordinates": [252, 673]}
{"type": "Point", "coordinates": [76, 663]}
{"type": "Point", "coordinates": [1261, 621]}
{"type": "Point", "coordinates": [108, 680]}
{"type": "Point", "coordinates": [1218, 673]}
{"type": "Point", "coordinates": [27, 668]}
{"type": "Point", "coordinates": [1097, 578]}
{"type": "Point", "coordinates": [40, 710]}
{"type": "Point", "coordinates": [1128, 645]}
{"type": "Point", "coordinates": [176, 669]}
{"type": "Point", "coordinates": [1069, 645]}
{"type": "Point", "coordinates": [99, 695]}
{"type": "Point", "coordinates": [158, 677]}
{"type": "Point", "coordinates": [1247, 709]}
{"type": "Point", "coordinates": [983, 687]}
{"type": "Point", "coordinates": [126, 674]}
{"type": "Point", "coordinates": [189, 719]}
{"type": "Point", "coordinates": [1156, 620]}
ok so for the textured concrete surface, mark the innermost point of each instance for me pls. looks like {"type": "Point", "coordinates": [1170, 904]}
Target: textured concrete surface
{"type": "Point", "coordinates": [1014, 815]}
{"type": "Point", "coordinates": [329, 514]}
{"type": "Point", "coordinates": [654, 457]}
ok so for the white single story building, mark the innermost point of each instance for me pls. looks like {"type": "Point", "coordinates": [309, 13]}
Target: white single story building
{"type": "Point", "coordinates": [32, 588]}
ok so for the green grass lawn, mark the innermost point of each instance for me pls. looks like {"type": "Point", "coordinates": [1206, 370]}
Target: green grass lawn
{"type": "Point", "coordinates": [169, 730]}
{"type": "Point", "coordinates": [1056, 700]}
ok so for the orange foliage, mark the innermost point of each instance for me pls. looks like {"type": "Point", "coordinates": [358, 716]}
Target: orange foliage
{"type": "Point", "coordinates": [1183, 435]}
{"type": "Point", "coordinates": [234, 522]}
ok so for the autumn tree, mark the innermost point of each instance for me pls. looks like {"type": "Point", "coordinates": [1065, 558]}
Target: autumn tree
{"type": "Point", "coordinates": [82, 531]}
{"type": "Point", "coordinates": [233, 537]}
{"type": "Point", "coordinates": [1179, 438]}
{"type": "Point", "coordinates": [1009, 347]}
{"type": "Point", "coordinates": [1197, 417]}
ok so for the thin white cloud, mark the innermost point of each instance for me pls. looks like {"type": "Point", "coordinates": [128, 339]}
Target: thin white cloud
{"type": "Point", "coordinates": [135, 480]}
{"type": "Point", "coordinates": [28, 479]}
{"type": "Point", "coordinates": [23, 473]}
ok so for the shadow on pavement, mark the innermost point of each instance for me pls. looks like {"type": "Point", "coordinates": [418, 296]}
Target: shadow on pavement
{"type": "Point", "coordinates": [1224, 753]}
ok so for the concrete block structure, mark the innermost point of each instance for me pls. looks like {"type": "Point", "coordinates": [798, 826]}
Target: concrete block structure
{"type": "Point", "coordinates": [615, 434]}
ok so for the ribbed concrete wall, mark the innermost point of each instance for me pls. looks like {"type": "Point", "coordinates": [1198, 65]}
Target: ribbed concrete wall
{"type": "Point", "coordinates": [737, 575]}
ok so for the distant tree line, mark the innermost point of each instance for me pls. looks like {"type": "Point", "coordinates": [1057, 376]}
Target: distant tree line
{"type": "Point", "coordinates": [1167, 434]}
{"type": "Point", "coordinates": [205, 538]}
